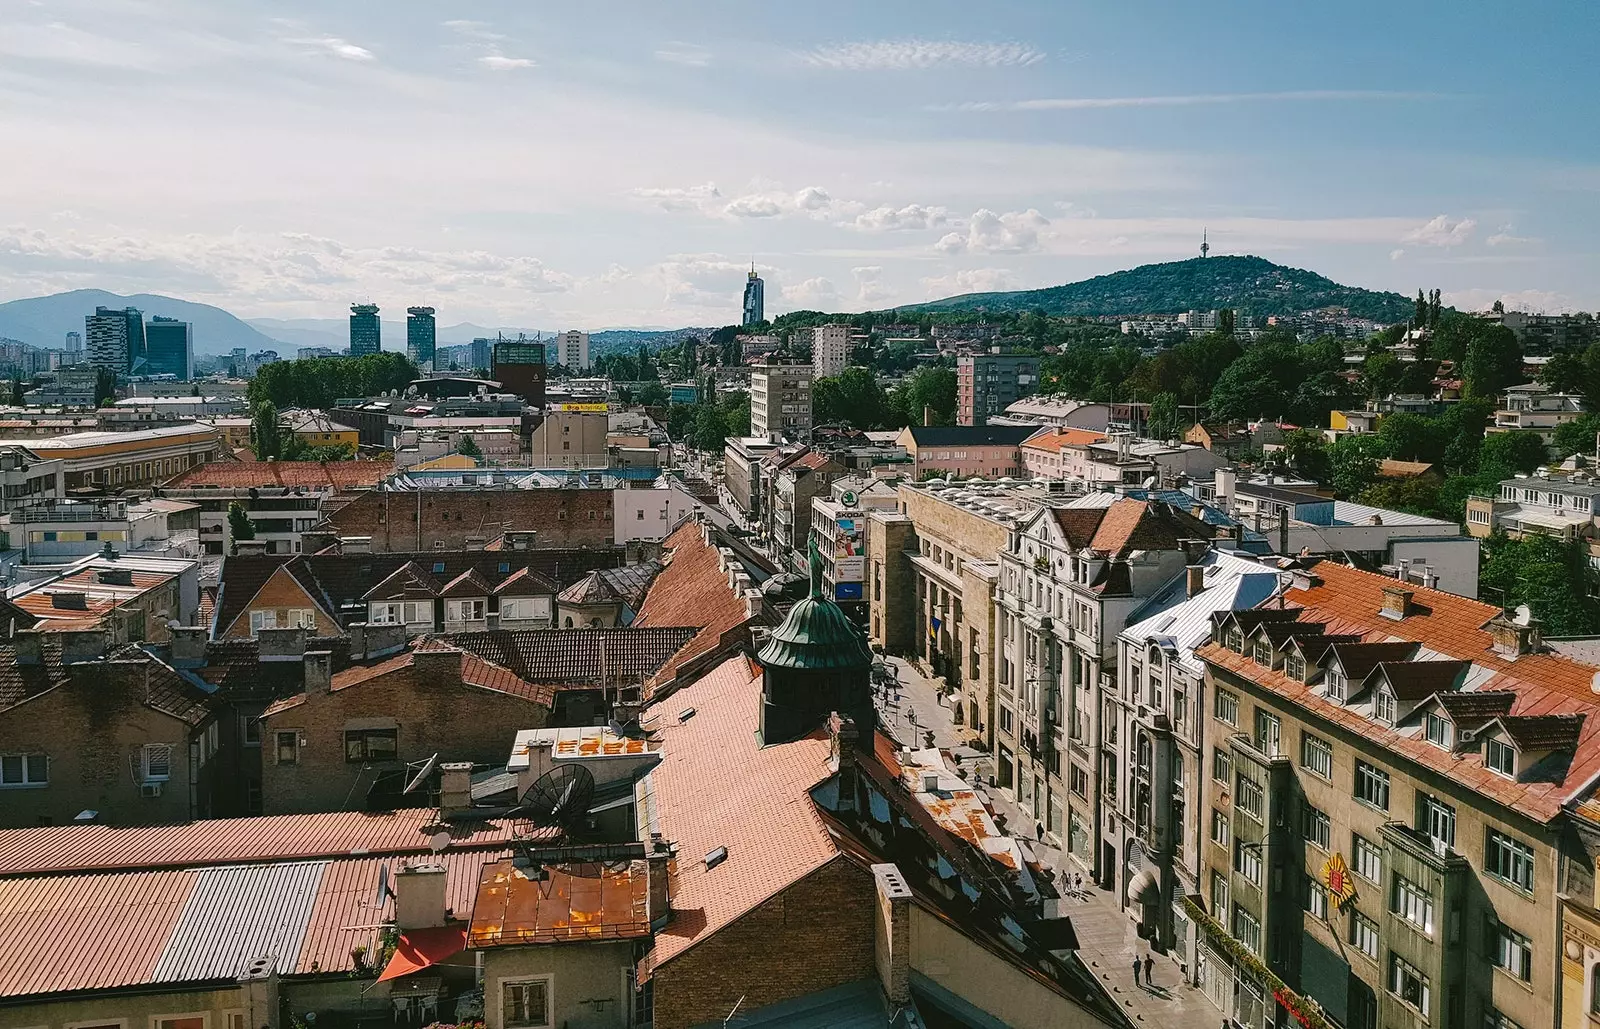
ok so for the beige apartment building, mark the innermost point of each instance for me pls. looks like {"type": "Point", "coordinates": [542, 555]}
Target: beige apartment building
{"type": "Point", "coordinates": [780, 400]}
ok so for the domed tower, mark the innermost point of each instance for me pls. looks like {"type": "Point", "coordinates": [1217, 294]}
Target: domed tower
{"type": "Point", "coordinates": [815, 663]}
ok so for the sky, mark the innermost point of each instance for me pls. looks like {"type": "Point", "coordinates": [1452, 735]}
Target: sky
{"type": "Point", "coordinates": [617, 164]}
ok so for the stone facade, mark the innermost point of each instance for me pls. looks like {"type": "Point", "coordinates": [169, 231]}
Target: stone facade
{"type": "Point", "coordinates": [467, 519]}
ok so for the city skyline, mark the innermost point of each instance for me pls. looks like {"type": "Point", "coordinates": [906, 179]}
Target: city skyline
{"type": "Point", "coordinates": [1012, 147]}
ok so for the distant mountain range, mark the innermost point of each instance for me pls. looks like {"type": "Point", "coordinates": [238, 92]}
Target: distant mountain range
{"type": "Point", "coordinates": [45, 321]}
{"type": "Point", "coordinates": [1251, 284]}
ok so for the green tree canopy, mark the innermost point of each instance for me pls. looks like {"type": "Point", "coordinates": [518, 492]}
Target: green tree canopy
{"type": "Point", "coordinates": [933, 388]}
{"type": "Point", "coordinates": [652, 394]}
{"type": "Point", "coordinates": [239, 525]}
{"type": "Point", "coordinates": [318, 382]}
{"type": "Point", "coordinates": [466, 446]}
{"type": "Point", "coordinates": [855, 397]}
{"type": "Point", "coordinates": [266, 435]}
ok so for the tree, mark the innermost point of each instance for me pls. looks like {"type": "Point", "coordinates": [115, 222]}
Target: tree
{"type": "Point", "coordinates": [466, 446]}
{"type": "Point", "coordinates": [1554, 578]}
{"type": "Point", "coordinates": [1354, 460]}
{"type": "Point", "coordinates": [1493, 362]}
{"type": "Point", "coordinates": [1435, 308]}
{"type": "Point", "coordinates": [933, 389]}
{"type": "Point", "coordinates": [1412, 437]}
{"type": "Point", "coordinates": [265, 433]}
{"type": "Point", "coordinates": [854, 397]}
{"type": "Point", "coordinates": [1404, 493]}
{"type": "Point", "coordinates": [1226, 321]}
{"type": "Point", "coordinates": [1578, 437]}
{"type": "Point", "coordinates": [652, 394]}
{"type": "Point", "coordinates": [1164, 421]}
{"type": "Point", "coordinates": [105, 386]}
{"type": "Point", "coordinates": [239, 525]}
{"type": "Point", "coordinates": [16, 392]}
{"type": "Point", "coordinates": [319, 382]}
{"type": "Point", "coordinates": [1504, 454]}
{"type": "Point", "coordinates": [1305, 451]}
{"type": "Point", "coordinates": [1419, 318]}
{"type": "Point", "coordinates": [1383, 373]}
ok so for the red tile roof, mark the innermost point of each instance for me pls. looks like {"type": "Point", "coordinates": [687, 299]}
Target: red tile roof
{"type": "Point", "coordinates": [1052, 441]}
{"type": "Point", "coordinates": [287, 474]}
{"type": "Point", "coordinates": [475, 671]}
{"type": "Point", "coordinates": [691, 590]}
{"type": "Point", "coordinates": [1131, 525]}
{"type": "Point", "coordinates": [1348, 600]}
{"type": "Point", "coordinates": [762, 812]}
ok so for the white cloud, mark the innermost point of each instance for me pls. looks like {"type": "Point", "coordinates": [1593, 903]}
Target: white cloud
{"type": "Point", "coordinates": [700, 280]}
{"type": "Point", "coordinates": [1505, 237]}
{"type": "Point", "coordinates": [909, 54]}
{"type": "Point", "coordinates": [1396, 254]}
{"type": "Point", "coordinates": [1095, 103]}
{"type": "Point", "coordinates": [333, 46]}
{"type": "Point", "coordinates": [870, 290]}
{"type": "Point", "coordinates": [500, 62]}
{"type": "Point", "coordinates": [1533, 301]}
{"type": "Point", "coordinates": [690, 198]}
{"type": "Point", "coordinates": [890, 219]}
{"type": "Point", "coordinates": [474, 30]}
{"type": "Point", "coordinates": [969, 280]}
{"type": "Point", "coordinates": [690, 55]}
{"type": "Point", "coordinates": [755, 206]}
{"type": "Point", "coordinates": [815, 293]}
{"type": "Point", "coordinates": [1014, 232]}
{"type": "Point", "coordinates": [1440, 231]}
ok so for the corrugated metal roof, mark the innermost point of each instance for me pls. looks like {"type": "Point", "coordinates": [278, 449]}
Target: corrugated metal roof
{"type": "Point", "coordinates": [235, 915]}
{"type": "Point", "coordinates": [229, 841]}
{"type": "Point", "coordinates": [80, 933]}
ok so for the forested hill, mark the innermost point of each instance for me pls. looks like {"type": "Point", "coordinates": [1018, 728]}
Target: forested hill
{"type": "Point", "coordinates": [1247, 284]}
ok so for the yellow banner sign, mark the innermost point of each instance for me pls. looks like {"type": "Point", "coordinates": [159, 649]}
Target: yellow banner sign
{"type": "Point", "coordinates": [1337, 878]}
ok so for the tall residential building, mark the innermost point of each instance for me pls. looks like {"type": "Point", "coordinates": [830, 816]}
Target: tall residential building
{"type": "Point", "coordinates": [169, 348]}
{"type": "Point", "coordinates": [572, 348]}
{"type": "Point", "coordinates": [478, 352]}
{"type": "Point", "coordinates": [366, 333]}
{"type": "Point", "coordinates": [830, 349]}
{"type": "Point", "coordinates": [420, 337]}
{"type": "Point", "coordinates": [519, 366]}
{"type": "Point", "coordinates": [987, 383]}
{"type": "Point", "coordinates": [780, 400]}
{"type": "Point", "coordinates": [755, 303]}
{"type": "Point", "coordinates": [113, 341]}
{"type": "Point", "coordinates": [74, 348]}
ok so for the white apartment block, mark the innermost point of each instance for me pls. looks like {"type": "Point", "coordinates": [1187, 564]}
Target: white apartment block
{"type": "Point", "coordinates": [572, 350]}
{"type": "Point", "coordinates": [830, 349]}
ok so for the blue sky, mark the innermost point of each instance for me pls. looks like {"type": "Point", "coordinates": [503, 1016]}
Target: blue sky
{"type": "Point", "coordinates": [612, 164]}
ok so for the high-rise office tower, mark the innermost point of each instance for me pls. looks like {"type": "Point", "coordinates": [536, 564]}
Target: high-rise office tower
{"type": "Point", "coordinates": [519, 366]}
{"type": "Point", "coordinates": [115, 338]}
{"type": "Point", "coordinates": [755, 304]}
{"type": "Point", "coordinates": [572, 350]}
{"type": "Point", "coordinates": [73, 351]}
{"type": "Point", "coordinates": [169, 348]}
{"type": "Point", "coordinates": [420, 337]}
{"type": "Point", "coordinates": [366, 334]}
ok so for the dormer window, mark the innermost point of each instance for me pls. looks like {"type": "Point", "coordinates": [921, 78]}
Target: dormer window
{"type": "Point", "coordinates": [1500, 756]}
{"type": "Point", "coordinates": [1439, 731]}
{"type": "Point", "coordinates": [1234, 640]}
{"type": "Point", "coordinates": [1383, 706]}
{"type": "Point", "coordinates": [1294, 666]}
{"type": "Point", "coordinates": [1338, 686]}
{"type": "Point", "coordinates": [1262, 653]}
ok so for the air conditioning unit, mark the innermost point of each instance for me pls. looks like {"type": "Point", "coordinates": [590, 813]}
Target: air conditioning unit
{"type": "Point", "coordinates": [150, 789]}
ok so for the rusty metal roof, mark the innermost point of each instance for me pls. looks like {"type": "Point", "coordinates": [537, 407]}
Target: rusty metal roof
{"type": "Point", "coordinates": [226, 841]}
{"type": "Point", "coordinates": [560, 903]}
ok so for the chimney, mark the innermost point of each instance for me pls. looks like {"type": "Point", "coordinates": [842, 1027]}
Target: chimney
{"type": "Point", "coordinates": [84, 645]}
{"type": "Point", "coordinates": [455, 787]}
{"type": "Point", "coordinates": [281, 644]}
{"type": "Point", "coordinates": [1396, 602]}
{"type": "Point", "coordinates": [1513, 638]}
{"type": "Point", "coordinates": [355, 544]}
{"type": "Point", "coordinates": [368, 641]}
{"type": "Point", "coordinates": [660, 905]}
{"type": "Point", "coordinates": [250, 548]}
{"type": "Point", "coordinates": [28, 644]}
{"type": "Point", "coordinates": [437, 665]}
{"type": "Point", "coordinates": [1193, 550]}
{"type": "Point", "coordinates": [927, 414]}
{"type": "Point", "coordinates": [189, 646]}
{"type": "Point", "coordinates": [1196, 579]}
{"type": "Point", "coordinates": [752, 603]}
{"type": "Point", "coordinates": [419, 896]}
{"type": "Point", "coordinates": [892, 933]}
{"type": "Point", "coordinates": [258, 987]}
{"type": "Point", "coordinates": [318, 665]}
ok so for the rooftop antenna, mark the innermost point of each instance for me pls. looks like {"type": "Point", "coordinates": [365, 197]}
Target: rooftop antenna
{"type": "Point", "coordinates": [1205, 246]}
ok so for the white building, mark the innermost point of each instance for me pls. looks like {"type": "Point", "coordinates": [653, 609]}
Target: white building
{"type": "Point", "coordinates": [830, 349]}
{"type": "Point", "coordinates": [649, 515]}
{"type": "Point", "coordinates": [572, 350]}
{"type": "Point", "coordinates": [780, 400]}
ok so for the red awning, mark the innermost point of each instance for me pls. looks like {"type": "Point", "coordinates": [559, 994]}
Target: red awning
{"type": "Point", "coordinates": [419, 948]}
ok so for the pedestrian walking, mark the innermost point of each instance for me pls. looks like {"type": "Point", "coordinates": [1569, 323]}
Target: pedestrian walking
{"type": "Point", "coordinates": [1136, 970]}
{"type": "Point", "coordinates": [1149, 963]}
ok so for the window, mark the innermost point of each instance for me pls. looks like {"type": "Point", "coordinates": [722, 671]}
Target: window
{"type": "Point", "coordinates": [1269, 733]}
{"type": "Point", "coordinates": [525, 1002]}
{"type": "Point", "coordinates": [1407, 983]}
{"type": "Point", "coordinates": [287, 745]}
{"type": "Point", "coordinates": [1438, 730]}
{"type": "Point", "coordinates": [24, 770]}
{"type": "Point", "coordinates": [1221, 765]}
{"type": "Point", "coordinates": [1438, 820]}
{"type": "Point", "coordinates": [302, 618]}
{"type": "Point", "coordinates": [1364, 934]}
{"type": "Point", "coordinates": [262, 620]}
{"type": "Point", "coordinates": [250, 730]}
{"type": "Point", "coordinates": [464, 610]}
{"type": "Point", "coordinates": [418, 612]}
{"type": "Point", "coordinates": [1247, 797]}
{"type": "Point", "coordinates": [155, 762]}
{"type": "Point", "coordinates": [1499, 756]}
{"type": "Point", "coordinates": [382, 614]}
{"type": "Point", "coordinates": [1261, 653]}
{"type": "Point", "coordinates": [1316, 755]}
{"type": "Point", "coordinates": [371, 745]}
{"type": "Point", "coordinates": [1383, 707]}
{"type": "Point", "coordinates": [1233, 639]}
{"type": "Point", "coordinates": [1337, 685]}
{"type": "Point", "coordinates": [1372, 786]}
{"type": "Point", "coordinates": [1219, 895]}
{"type": "Point", "coordinates": [1318, 829]}
{"type": "Point", "coordinates": [1316, 898]}
{"type": "Point", "coordinates": [1513, 952]}
{"type": "Point", "coordinates": [1294, 666]}
{"type": "Point", "coordinates": [1509, 860]}
{"type": "Point", "coordinates": [181, 1022]}
{"type": "Point", "coordinates": [1412, 903]}
{"type": "Point", "coordinates": [1247, 861]}
{"type": "Point", "coordinates": [1247, 929]}
{"type": "Point", "coordinates": [1368, 860]}
{"type": "Point", "coordinates": [1493, 1019]}
{"type": "Point", "coordinates": [1221, 832]}
{"type": "Point", "coordinates": [1227, 707]}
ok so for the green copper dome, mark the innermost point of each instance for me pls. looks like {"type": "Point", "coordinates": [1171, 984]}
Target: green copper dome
{"type": "Point", "coordinates": [817, 636]}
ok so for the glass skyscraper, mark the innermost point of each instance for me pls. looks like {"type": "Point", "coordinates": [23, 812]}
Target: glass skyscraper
{"type": "Point", "coordinates": [169, 348]}
{"type": "Point", "coordinates": [366, 334]}
{"type": "Point", "coordinates": [420, 337]}
{"type": "Point", "coordinates": [755, 306]}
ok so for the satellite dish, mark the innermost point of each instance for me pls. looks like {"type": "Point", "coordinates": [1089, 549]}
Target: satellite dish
{"type": "Point", "coordinates": [422, 774]}
{"type": "Point", "coordinates": [1524, 614]}
{"type": "Point", "coordinates": [438, 842]}
{"type": "Point", "coordinates": [559, 799]}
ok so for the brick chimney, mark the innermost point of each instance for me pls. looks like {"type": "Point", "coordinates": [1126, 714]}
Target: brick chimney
{"type": "Point", "coordinates": [892, 933]}
{"type": "Point", "coordinates": [1396, 602]}
{"type": "Point", "coordinates": [1195, 579]}
{"type": "Point", "coordinates": [1513, 638]}
{"type": "Point", "coordinates": [318, 665]}
{"type": "Point", "coordinates": [281, 644]}
{"type": "Point", "coordinates": [419, 897]}
{"type": "Point", "coordinates": [434, 666]}
{"type": "Point", "coordinates": [189, 646]}
{"type": "Point", "coordinates": [455, 787]}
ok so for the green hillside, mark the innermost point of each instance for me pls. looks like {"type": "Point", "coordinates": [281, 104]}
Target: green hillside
{"type": "Point", "coordinates": [1251, 284]}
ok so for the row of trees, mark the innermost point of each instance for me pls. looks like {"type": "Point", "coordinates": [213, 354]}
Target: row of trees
{"type": "Point", "coordinates": [318, 382]}
{"type": "Point", "coordinates": [857, 398]}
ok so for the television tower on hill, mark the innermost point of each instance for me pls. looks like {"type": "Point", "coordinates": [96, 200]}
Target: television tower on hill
{"type": "Point", "coordinates": [1205, 247]}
